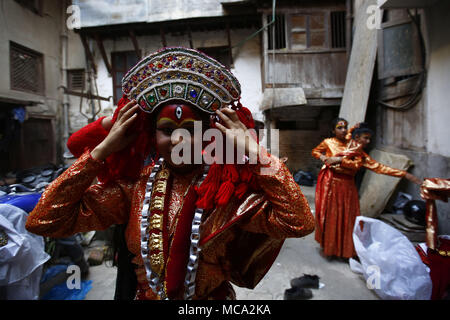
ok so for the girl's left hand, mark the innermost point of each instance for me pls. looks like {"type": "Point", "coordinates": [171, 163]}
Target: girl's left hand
{"type": "Point", "coordinates": [236, 132]}
{"type": "Point", "coordinates": [333, 160]}
{"type": "Point", "coordinates": [413, 178]}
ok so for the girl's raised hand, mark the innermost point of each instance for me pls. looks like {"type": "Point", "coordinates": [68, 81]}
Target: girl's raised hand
{"type": "Point", "coordinates": [119, 136]}
{"type": "Point", "coordinates": [236, 132]}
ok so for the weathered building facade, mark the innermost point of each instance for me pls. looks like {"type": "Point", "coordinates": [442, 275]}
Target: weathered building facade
{"type": "Point", "coordinates": [305, 56]}
{"type": "Point", "coordinates": [30, 101]}
{"type": "Point", "coordinates": [291, 61]}
{"type": "Point", "coordinates": [409, 102]}
{"type": "Point", "coordinates": [111, 47]}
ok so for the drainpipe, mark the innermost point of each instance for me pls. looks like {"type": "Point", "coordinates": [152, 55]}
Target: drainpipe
{"type": "Point", "coordinates": [348, 31]}
{"type": "Point", "coordinates": [64, 45]}
{"type": "Point", "coordinates": [91, 87]}
{"type": "Point", "coordinates": [270, 120]}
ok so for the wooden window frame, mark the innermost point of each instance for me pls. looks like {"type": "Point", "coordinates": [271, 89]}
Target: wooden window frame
{"type": "Point", "coordinates": [40, 65]}
{"type": "Point", "coordinates": [114, 70]}
{"type": "Point", "coordinates": [327, 26]}
{"type": "Point", "coordinates": [308, 30]}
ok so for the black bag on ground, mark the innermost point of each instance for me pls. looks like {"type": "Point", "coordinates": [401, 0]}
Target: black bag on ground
{"type": "Point", "coordinates": [304, 178]}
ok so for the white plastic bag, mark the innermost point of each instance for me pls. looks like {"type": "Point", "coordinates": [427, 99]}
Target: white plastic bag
{"type": "Point", "coordinates": [389, 262]}
{"type": "Point", "coordinates": [22, 258]}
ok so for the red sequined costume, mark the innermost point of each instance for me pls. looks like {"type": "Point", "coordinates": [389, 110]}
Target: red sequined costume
{"type": "Point", "coordinates": [241, 240]}
{"type": "Point", "coordinates": [246, 214]}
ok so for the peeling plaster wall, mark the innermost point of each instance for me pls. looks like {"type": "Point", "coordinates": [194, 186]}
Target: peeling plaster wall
{"type": "Point", "coordinates": [40, 33]}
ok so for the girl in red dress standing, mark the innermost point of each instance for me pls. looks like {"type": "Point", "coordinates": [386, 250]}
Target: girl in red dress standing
{"type": "Point", "coordinates": [337, 201]}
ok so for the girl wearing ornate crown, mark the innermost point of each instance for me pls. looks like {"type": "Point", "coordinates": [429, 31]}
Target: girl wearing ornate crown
{"type": "Point", "coordinates": [193, 228]}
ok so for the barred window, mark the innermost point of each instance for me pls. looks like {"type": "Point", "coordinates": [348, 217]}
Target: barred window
{"type": "Point", "coordinates": [324, 29]}
{"type": "Point", "coordinates": [75, 79]}
{"type": "Point", "coordinates": [277, 32]}
{"type": "Point", "coordinates": [26, 69]}
{"type": "Point", "coordinates": [338, 29]}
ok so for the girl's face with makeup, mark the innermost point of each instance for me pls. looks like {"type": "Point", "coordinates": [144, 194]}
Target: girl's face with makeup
{"type": "Point", "coordinates": [170, 118]}
{"type": "Point", "coordinates": [340, 130]}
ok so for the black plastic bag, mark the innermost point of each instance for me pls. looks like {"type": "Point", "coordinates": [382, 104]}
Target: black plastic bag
{"type": "Point", "coordinates": [304, 178]}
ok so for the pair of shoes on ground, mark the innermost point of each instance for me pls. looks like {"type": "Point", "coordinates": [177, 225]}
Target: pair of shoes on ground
{"type": "Point", "coordinates": [301, 287]}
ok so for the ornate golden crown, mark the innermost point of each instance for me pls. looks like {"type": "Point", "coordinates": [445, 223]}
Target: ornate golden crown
{"type": "Point", "coordinates": [181, 74]}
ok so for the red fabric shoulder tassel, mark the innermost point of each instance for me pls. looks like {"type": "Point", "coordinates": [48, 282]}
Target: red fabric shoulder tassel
{"type": "Point", "coordinates": [230, 173]}
{"type": "Point", "coordinates": [208, 189]}
{"type": "Point", "coordinates": [225, 192]}
{"type": "Point", "coordinates": [241, 190]}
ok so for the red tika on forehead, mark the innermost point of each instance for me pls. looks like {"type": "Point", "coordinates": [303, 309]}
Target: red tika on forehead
{"type": "Point", "coordinates": [341, 124]}
{"type": "Point", "coordinates": [177, 113]}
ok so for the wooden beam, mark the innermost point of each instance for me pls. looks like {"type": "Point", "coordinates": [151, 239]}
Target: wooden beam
{"type": "Point", "coordinates": [13, 100]}
{"type": "Point", "coordinates": [88, 95]}
{"type": "Point", "coordinates": [88, 52]}
{"type": "Point", "coordinates": [135, 43]}
{"type": "Point", "coordinates": [103, 53]}
{"type": "Point", "coordinates": [163, 37]}
{"type": "Point", "coordinates": [360, 68]}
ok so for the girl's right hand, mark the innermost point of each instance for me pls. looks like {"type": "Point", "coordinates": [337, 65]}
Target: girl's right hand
{"type": "Point", "coordinates": [118, 137]}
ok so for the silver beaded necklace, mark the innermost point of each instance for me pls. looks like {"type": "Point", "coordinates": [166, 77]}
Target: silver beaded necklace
{"type": "Point", "coordinates": [155, 282]}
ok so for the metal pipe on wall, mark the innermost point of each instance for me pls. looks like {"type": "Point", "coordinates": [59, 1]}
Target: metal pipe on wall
{"type": "Point", "coordinates": [269, 136]}
{"type": "Point", "coordinates": [64, 66]}
{"type": "Point", "coordinates": [348, 31]}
